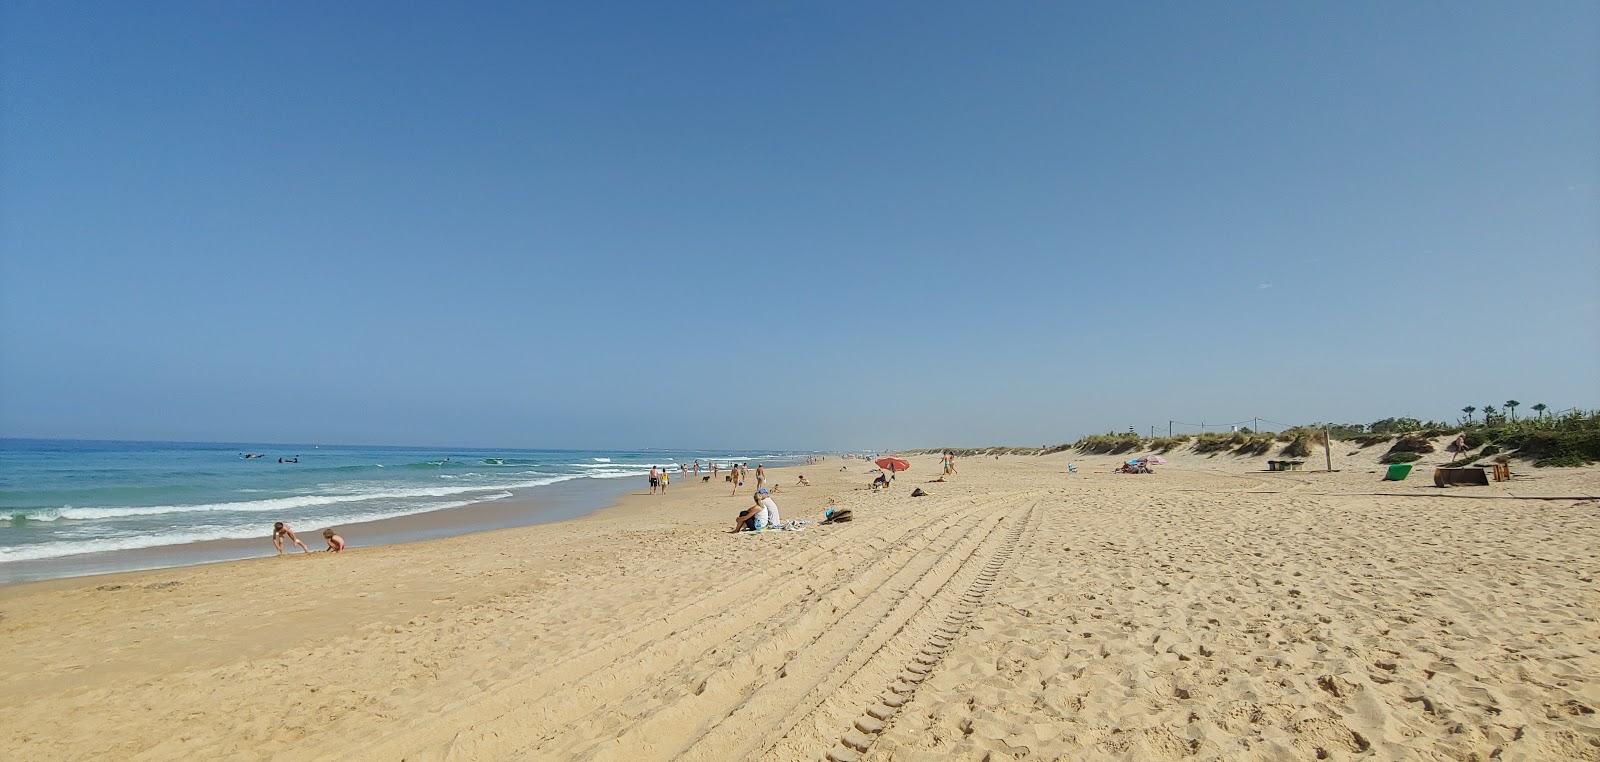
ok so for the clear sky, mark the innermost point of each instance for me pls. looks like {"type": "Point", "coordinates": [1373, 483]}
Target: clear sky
{"type": "Point", "coordinates": [785, 224]}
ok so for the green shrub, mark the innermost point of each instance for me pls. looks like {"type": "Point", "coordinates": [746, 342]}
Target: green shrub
{"type": "Point", "coordinates": [1412, 443]}
{"type": "Point", "coordinates": [1108, 444]}
{"type": "Point", "coordinates": [1490, 450]}
{"type": "Point", "coordinates": [1167, 444]}
{"type": "Point", "coordinates": [1214, 443]}
{"type": "Point", "coordinates": [1562, 461]}
{"type": "Point", "coordinates": [1475, 439]}
{"type": "Point", "coordinates": [1400, 457]}
{"type": "Point", "coordinates": [1372, 439]}
{"type": "Point", "coordinates": [1561, 448]}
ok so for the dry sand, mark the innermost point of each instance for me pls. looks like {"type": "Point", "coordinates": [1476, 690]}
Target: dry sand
{"type": "Point", "coordinates": [1208, 611]}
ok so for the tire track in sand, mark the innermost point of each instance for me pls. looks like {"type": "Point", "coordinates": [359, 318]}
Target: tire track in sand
{"type": "Point", "coordinates": [855, 742]}
{"type": "Point", "coordinates": [754, 677]}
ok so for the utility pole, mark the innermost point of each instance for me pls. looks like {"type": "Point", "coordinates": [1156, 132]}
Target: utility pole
{"type": "Point", "coordinates": [1257, 427]}
{"type": "Point", "coordinates": [1169, 429]}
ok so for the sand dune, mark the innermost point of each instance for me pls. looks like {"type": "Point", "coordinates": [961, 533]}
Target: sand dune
{"type": "Point", "coordinates": [1206, 612]}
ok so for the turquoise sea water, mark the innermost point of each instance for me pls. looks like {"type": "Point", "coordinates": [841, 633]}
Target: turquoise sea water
{"type": "Point", "coordinates": [62, 499]}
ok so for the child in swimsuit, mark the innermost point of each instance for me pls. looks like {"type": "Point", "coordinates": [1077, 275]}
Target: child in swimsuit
{"type": "Point", "coordinates": [335, 542]}
{"type": "Point", "coordinates": [281, 530]}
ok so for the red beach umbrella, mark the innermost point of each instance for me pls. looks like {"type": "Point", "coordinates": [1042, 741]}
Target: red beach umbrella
{"type": "Point", "coordinates": [896, 463]}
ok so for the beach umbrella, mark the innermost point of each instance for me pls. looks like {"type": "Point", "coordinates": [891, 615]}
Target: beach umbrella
{"type": "Point", "coordinates": [896, 463]}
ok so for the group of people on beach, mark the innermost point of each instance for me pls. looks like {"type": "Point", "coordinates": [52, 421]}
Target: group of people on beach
{"type": "Point", "coordinates": [281, 532]}
{"type": "Point", "coordinates": [738, 474]}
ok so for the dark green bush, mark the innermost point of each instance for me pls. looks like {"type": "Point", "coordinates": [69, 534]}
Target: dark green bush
{"type": "Point", "coordinates": [1475, 439]}
{"type": "Point", "coordinates": [1400, 457]}
{"type": "Point", "coordinates": [1108, 444]}
{"type": "Point", "coordinates": [1412, 443]}
{"type": "Point", "coordinates": [1561, 448]}
{"type": "Point", "coordinates": [1490, 450]}
{"type": "Point", "coordinates": [1562, 461]}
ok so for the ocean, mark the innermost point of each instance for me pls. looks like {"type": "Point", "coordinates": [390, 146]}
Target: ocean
{"type": "Point", "coordinates": [74, 507]}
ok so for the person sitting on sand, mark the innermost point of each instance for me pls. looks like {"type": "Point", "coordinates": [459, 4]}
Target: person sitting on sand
{"type": "Point", "coordinates": [772, 508]}
{"type": "Point", "coordinates": [803, 481]}
{"type": "Point", "coordinates": [281, 530]}
{"type": "Point", "coordinates": [335, 542]}
{"type": "Point", "coordinates": [753, 518]}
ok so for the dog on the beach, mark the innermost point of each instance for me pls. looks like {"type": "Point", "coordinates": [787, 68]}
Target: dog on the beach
{"type": "Point", "coordinates": [728, 478]}
{"type": "Point", "coordinates": [705, 480]}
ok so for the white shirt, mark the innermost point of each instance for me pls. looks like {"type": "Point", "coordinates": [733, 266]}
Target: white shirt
{"type": "Point", "coordinates": [769, 512]}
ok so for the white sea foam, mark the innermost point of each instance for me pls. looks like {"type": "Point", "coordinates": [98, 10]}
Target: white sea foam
{"type": "Point", "coordinates": [211, 532]}
{"type": "Point", "coordinates": [274, 505]}
{"type": "Point", "coordinates": [601, 460]}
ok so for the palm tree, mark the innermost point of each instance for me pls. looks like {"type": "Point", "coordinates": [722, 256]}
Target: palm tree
{"type": "Point", "coordinates": [1540, 408]}
{"type": "Point", "coordinates": [1469, 410]}
{"type": "Point", "coordinates": [1489, 413]}
{"type": "Point", "coordinates": [1511, 406]}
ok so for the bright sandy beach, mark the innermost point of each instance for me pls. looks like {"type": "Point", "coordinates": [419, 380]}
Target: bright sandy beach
{"type": "Point", "coordinates": [1207, 611]}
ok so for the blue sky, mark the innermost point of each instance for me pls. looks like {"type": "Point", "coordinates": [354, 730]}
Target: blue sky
{"type": "Point", "coordinates": [799, 225]}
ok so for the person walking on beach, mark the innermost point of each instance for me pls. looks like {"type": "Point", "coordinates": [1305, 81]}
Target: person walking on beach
{"type": "Point", "coordinates": [761, 477]}
{"type": "Point", "coordinates": [655, 479]}
{"type": "Point", "coordinates": [736, 475]}
{"type": "Point", "coordinates": [666, 478]}
{"type": "Point", "coordinates": [281, 530]}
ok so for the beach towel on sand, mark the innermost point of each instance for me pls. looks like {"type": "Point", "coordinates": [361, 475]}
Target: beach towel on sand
{"type": "Point", "coordinates": [837, 517]}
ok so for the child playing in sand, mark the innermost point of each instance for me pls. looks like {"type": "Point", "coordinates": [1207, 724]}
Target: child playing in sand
{"type": "Point", "coordinates": [335, 542]}
{"type": "Point", "coordinates": [281, 530]}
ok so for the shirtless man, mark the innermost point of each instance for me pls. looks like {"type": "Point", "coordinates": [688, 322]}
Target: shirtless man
{"type": "Point", "coordinates": [655, 479]}
{"type": "Point", "coordinates": [281, 530]}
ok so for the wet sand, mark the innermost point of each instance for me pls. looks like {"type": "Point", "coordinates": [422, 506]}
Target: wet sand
{"type": "Point", "coordinates": [1208, 611]}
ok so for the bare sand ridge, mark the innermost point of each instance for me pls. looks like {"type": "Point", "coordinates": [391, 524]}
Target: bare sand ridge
{"type": "Point", "coordinates": [1207, 611]}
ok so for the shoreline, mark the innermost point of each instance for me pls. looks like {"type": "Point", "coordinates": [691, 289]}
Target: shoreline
{"type": "Point", "coordinates": [1087, 614]}
{"type": "Point", "coordinates": [527, 507]}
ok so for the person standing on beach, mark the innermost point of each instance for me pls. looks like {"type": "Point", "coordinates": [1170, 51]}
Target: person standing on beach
{"type": "Point", "coordinates": [697, 468]}
{"type": "Point", "coordinates": [281, 530]}
{"type": "Point", "coordinates": [761, 477]}
{"type": "Point", "coordinates": [655, 479]}
{"type": "Point", "coordinates": [736, 474]}
{"type": "Point", "coordinates": [666, 478]}
{"type": "Point", "coordinates": [714, 471]}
